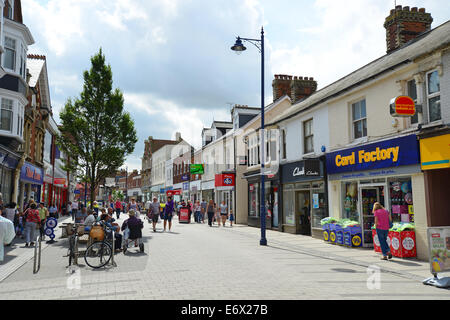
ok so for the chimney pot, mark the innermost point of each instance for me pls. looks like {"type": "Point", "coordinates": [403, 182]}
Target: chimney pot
{"type": "Point", "coordinates": [422, 10]}
{"type": "Point", "coordinates": [406, 8]}
{"type": "Point", "coordinates": [295, 77]}
{"type": "Point", "coordinates": [414, 9]}
{"type": "Point", "coordinates": [398, 8]}
{"type": "Point", "coordinates": [311, 79]}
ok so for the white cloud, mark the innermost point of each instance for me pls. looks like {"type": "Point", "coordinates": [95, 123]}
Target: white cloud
{"type": "Point", "coordinates": [169, 118]}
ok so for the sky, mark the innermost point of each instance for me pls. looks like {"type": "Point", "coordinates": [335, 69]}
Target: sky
{"type": "Point", "coordinates": [172, 60]}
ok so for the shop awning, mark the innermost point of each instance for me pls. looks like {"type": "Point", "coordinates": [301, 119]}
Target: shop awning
{"type": "Point", "coordinates": [435, 152]}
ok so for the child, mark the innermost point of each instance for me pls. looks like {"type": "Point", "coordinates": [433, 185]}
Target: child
{"type": "Point", "coordinates": [231, 218]}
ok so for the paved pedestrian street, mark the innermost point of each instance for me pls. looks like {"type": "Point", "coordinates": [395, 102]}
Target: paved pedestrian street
{"type": "Point", "coordinates": [196, 261]}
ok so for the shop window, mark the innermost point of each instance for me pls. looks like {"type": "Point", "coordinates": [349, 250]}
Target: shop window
{"type": "Point", "coordinates": [319, 208]}
{"type": "Point", "coordinates": [412, 93]}
{"type": "Point", "coordinates": [253, 190]}
{"type": "Point", "coordinates": [433, 96]}
{"type": "Point", "coordinates": [350, 194]}
{"type": "Point", "coordinates": [359, 119]}
{"type": "Point", "coordinates": [289, 207]}
{"type": "Point", "coordinates": [401, 200]}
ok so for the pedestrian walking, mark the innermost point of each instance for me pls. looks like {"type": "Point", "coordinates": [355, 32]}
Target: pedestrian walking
{"type": "Point", "coordinates": [10, 211]}
{"type": "Point", "coordinates": [153, 212]}
{"type": "Point", "coordinates": [168, 212]}
{"type": "Point", "coordinates": [31, 225]}
{"type": "Point", "coordinates": [74, 209]}
{"type": "Point", "coordinates": [133, 205]}
{"type": "Point", "coordinates": [223, 209]}
{"type": "Point", "coordinates": [197, 211]}
{"type": "Point", "coordinates": [118, 207]}
{"type": "Point", "coordinates": [217, 214]}
{"type": "Point", "coordinates": [211, 211]}
{"type": "Point", "coordinates": [69, 210]}
{"type": "Point", "coordinates": [43, 215]}
{"type": "Point", "coordinates": [231, 218]}
{"type": "Point", "coordinates": [53, 211]}
{"type": "Point", "coordinates": [203, 205]}
{"type": "Point", "coordinates": [382, 225]}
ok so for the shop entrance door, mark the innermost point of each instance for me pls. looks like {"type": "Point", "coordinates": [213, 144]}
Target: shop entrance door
{"type": "Point", "coordinates": [303, 212]}
{"type": "Point", "coordinates": [370, 194]}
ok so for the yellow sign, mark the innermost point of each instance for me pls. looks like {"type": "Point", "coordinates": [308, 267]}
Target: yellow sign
{"type": "Point", "coordinates": [435, 152]}
{"type": "Point", "coordinates": [325, 236]}
{"type": "Point", "coordinates": [363, 156]}
{"type": "Point", "coordinates": [332, 236]}
{"type": "Point", "coordinates": [356, 241]}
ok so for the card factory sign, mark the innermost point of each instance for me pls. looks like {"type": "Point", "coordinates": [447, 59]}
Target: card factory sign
{"type": "Point", "coordinates": [384, 154]}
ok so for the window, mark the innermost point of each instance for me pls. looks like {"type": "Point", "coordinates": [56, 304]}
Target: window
{"type": "Point", "coordinates": [283, 150]}
{"type": "Point", "coordinates": [6, 122]}
{"type": "Point", "coordinates": [308, 136]}
{"type": "Point", "coordinates": [9, 60]}
{"type": "Point", "coordinates": [23, 60]}
{"type": "Point", "coordinates": [412, 93]}
{"type": "Point", "coordinates": [433, 96]}
{"type": "Point", "coordinates": [359, 119]}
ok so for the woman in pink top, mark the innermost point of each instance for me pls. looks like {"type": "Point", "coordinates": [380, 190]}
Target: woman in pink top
{"type": "Point", "coordinates": [382, 218]}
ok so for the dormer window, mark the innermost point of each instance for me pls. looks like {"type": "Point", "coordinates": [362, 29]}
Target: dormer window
{"type": "Point", "coordinates": [9, 9]}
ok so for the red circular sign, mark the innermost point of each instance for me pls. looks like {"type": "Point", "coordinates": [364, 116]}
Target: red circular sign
{"type": "Point", "coordinates": [405, 106]}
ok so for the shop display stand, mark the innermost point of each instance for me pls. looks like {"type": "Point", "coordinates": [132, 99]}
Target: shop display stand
{"type": "Point", "coordinates": [437, 282]}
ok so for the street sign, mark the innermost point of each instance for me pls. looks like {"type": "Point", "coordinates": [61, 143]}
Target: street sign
{"type": "Point", "coordinates": [402, 106]}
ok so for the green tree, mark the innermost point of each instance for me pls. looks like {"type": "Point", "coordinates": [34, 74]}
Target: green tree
{"type": "Point", "coordinates": [118, 195]}
{"type": "Point", "coordinates": [96, 133]}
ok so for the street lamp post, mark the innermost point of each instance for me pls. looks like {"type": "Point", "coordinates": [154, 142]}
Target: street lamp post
{"type": "Point", "coordinates": [238, 48]}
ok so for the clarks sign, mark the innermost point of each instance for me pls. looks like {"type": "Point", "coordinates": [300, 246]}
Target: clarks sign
{"type": "Point", "coordinates": [301, 170]}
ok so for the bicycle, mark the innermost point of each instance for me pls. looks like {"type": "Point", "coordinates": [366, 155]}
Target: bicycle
{"type": "Point", "coordinates": [73, 252]}
{"type": "Point", "coordinates": [99, 253]}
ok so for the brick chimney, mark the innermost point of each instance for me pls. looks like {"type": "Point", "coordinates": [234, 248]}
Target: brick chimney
{"type": "Point", "coordinates": [296, 88]}
{"type": "Point", "coordinates": [302, 87]}
{"type": "Point", "coordinates": [404, 24]}
{"type": "Point", "coordinates": [281, 86]}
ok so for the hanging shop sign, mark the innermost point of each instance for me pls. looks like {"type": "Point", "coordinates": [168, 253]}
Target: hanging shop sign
{"type": "Point", "coordinates": [384, 154]}
{"type": "Point", "coordinates": [197, 169]}
{"type": "Point", "coordinates": [435, 152]}
{"type": "Point", "coordinates": [224, 180]}
{"type": "Point", "coordinates": [171, 193]}
{"type": "Point", "coordinates": [402, 106]}
{"type": "Point", "coordinates": [32, 174]}
{"type": "Point", "coordinates": [301, 170]}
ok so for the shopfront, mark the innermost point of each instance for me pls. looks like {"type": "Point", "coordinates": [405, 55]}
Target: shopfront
{"type": "Point", "coordinates": [305, 200]}
{"type": "Point", "coordinates": [435, 163]}
{"type": "Point", "coordinates": [8, 163]}
{"type": "Point", "coordinates": [208, 190]}
{"type": "Point", "coordinates": [195, 190]}
{"type": "Point", "coordinates": [225, 186]}
{"type": "Point", "coordinates": [31, 181]}
{"type": "Point", "coordinates": [387, 172]}
{"type": "Point", "coordinates": [272, 199]}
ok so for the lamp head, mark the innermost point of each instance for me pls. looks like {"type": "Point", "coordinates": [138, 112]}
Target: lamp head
{"type": "Point", "coordinates": [238, 46]}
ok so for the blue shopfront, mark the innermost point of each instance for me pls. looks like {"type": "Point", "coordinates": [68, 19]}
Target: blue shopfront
{"type": "Point", "coordinates": [8, 163]}
{"type": "Point", "coordinates": [31, 181]}
{"type": "Point", "coordinates": [382, 172]}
